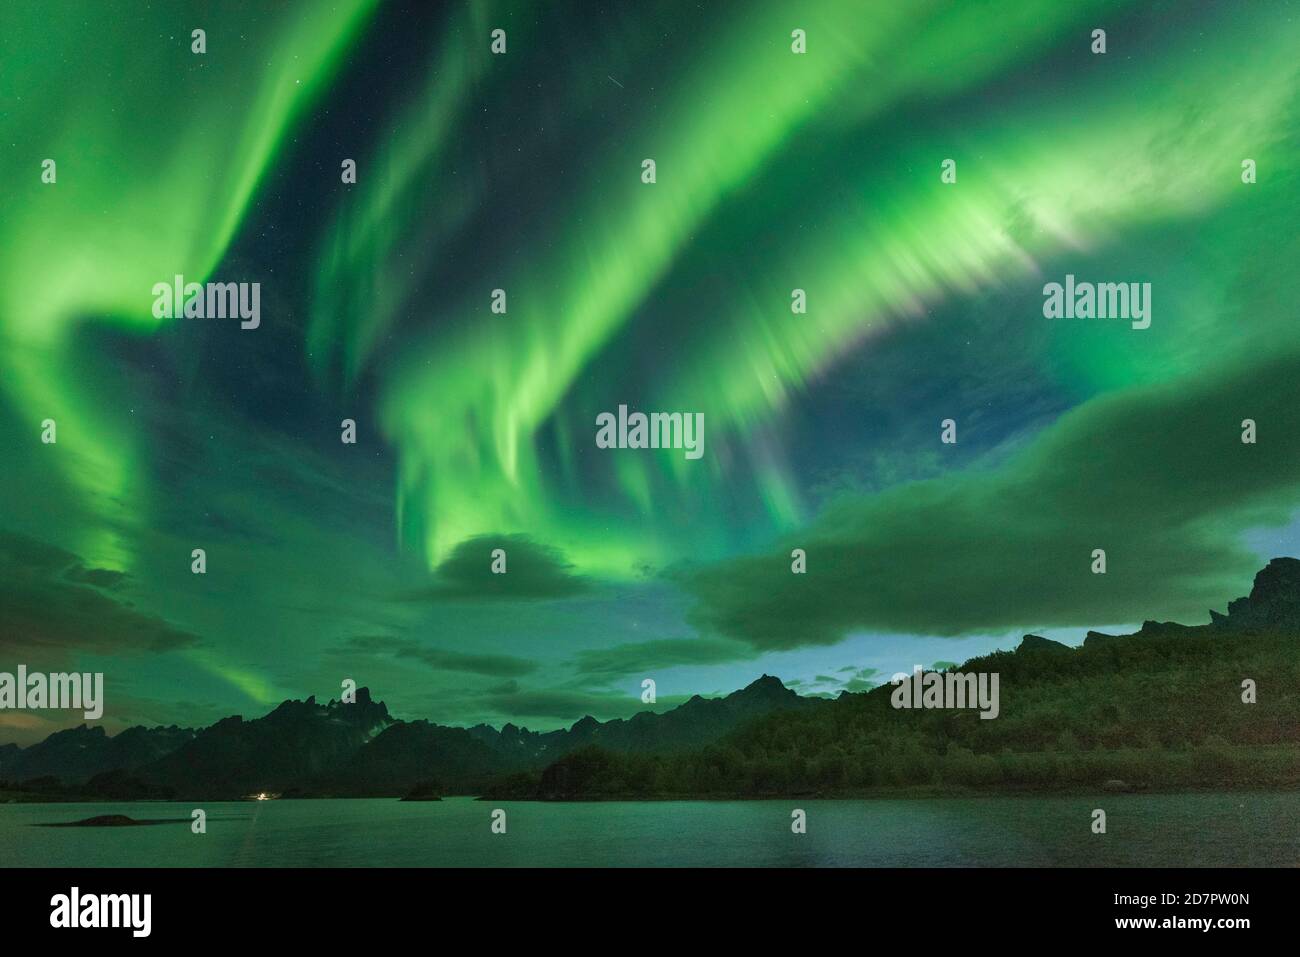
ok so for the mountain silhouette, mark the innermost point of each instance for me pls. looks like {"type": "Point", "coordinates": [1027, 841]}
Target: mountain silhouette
{"type": "Point", "coordinates": [1273, 602]}
{"type": "Point", "coordinates": [294, 744]}
{"type": "Point", "coordinates": [1171, 706]}
{"type": "Point", "coordinates": [407, 753]}
{"type": "Point", "coordinates": [1165, 705]}
{"type": "Point", "coordinates": [77, 754]}
{"type": "Point", "coordinates": [358, 749]}
{"type": "Point", "coordinates": [8, 756]}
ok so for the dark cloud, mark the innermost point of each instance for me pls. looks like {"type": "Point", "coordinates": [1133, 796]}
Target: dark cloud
{"type": "Point", "coordinates": [856, 685]}
{"type": "Point", "coordinates": [497, 666]}
{"type": "Point", "coordinates": [1156, 476]}
{"type": "Point", "coordinates": [52, 608]}
{"type": "Point", "coordinates": [860, 679]}
{"type": "Point", "coordinates": [534, 572]}
{"type": "Point", "coordinates": [99, 577]}
{"type": "Point", "coordinates": [645, 656]}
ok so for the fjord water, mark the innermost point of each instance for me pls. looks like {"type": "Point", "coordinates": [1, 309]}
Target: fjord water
{"type": "Point", "coordinates": [1203, 829]}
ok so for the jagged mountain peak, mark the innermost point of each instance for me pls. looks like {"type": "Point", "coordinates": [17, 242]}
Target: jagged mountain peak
{"type": "Point", "coordinates": [764, 683]}
{"type": "Point", "coordinates": [1033, 644]}
{"type": "Point", "coordinates": [1274, 599]}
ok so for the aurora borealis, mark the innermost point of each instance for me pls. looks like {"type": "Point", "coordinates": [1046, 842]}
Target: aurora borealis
{"type": "Point", "coordinates": [521, 171]}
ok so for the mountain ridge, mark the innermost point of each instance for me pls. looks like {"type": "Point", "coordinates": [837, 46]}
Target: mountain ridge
{"type": "Point", "coordinates": [1169, 707]}
{"type": "Point", "coordinates": [301, 747]}
{"type": "Point", "coordinates": [304, 748]}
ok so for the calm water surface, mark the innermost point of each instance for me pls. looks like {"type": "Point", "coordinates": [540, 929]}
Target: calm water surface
{"type": "Point", "coordinates": [1142, 830]}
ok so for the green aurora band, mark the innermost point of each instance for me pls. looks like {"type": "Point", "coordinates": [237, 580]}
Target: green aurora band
{"type": "Point", "coordinates": [775, 171]}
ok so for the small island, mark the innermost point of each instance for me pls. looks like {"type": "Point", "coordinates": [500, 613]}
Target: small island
{"type": "Point", "coordinates": [115, 820]}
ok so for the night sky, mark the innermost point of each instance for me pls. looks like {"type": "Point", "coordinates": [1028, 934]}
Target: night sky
{"type": "Point", "coordinates": [775, 171]}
